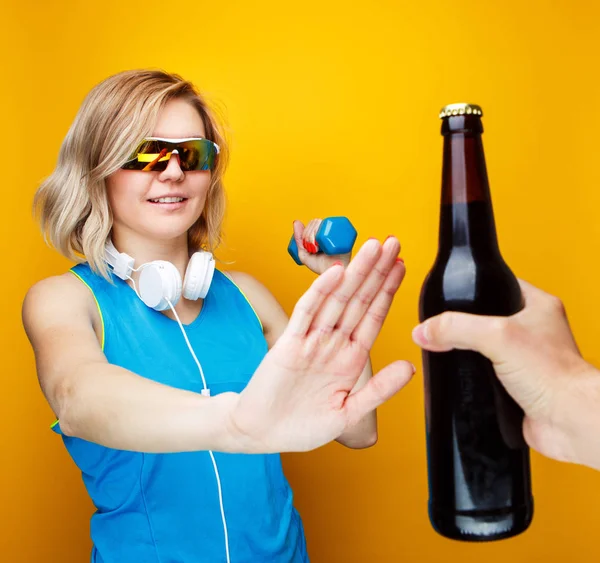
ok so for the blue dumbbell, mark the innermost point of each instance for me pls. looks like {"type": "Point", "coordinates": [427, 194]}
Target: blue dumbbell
{"type": "Point", "coordinates": [336, 235]}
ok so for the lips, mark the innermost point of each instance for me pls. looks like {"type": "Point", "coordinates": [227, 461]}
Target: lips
{"type": "Point", "coordinates": [170, 199]}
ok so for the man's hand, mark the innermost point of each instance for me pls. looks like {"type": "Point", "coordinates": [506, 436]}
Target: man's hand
{"type": "Point", "coordinates": [536, 358]}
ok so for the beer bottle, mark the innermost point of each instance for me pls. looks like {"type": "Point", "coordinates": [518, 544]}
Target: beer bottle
{"type": "Point", "coordinates": [478, 461]}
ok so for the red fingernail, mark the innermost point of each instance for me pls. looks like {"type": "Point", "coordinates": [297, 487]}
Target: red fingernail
{"type": "Point", "coordinates": [305, 245]}
{"type": "Point", "coordinates": [400, 259]}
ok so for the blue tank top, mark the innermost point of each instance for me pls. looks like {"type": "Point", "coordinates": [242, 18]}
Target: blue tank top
{"type": "Point", "coordinates": [164, 508]}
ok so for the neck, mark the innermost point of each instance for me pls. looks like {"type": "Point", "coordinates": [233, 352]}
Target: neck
{"type": "Point", "coordinates": [144, 249]}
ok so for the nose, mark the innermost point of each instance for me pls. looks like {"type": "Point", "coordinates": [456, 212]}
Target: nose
{"type": "Point", "coordinates": [173, 171]}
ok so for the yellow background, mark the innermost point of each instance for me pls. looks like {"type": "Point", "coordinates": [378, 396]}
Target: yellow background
{"type": "Point", "coordinates": [332, 108]}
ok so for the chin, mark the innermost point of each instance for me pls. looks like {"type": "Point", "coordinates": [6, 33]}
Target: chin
{"type": "Point", "coordinates": [168, 232]}
{"type": "Point", "coordinates": [163, 230]}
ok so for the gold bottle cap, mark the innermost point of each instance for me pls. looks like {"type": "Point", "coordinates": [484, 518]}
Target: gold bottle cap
{"type": "Point", "coordinates": [460, 109]}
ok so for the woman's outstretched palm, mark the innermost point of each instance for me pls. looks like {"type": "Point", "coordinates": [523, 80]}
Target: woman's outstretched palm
{"type": "Point", "coordinates": [299, 397]}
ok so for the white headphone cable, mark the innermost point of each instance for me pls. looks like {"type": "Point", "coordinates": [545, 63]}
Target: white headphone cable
{"type": "Point", "coordinates": [206, 393]}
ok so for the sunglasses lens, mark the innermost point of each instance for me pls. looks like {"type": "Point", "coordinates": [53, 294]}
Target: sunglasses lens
{"type": "Point", "coordinates": [153, 156]}
{"type": "Point", "coordinates": [197, 155]}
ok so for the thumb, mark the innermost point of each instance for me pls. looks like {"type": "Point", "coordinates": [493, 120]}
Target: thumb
{"type": "Point", "coordinates": [381, 387]}
{"type": "Point", "coordinates": [462, 331]}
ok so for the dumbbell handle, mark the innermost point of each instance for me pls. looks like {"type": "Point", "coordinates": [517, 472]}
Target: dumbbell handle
{"type": "Point", "coordinates": [336, 235]}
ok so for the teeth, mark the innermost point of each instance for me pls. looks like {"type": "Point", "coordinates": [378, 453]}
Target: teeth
{"type": "Point", "coordinates": [167, 200]}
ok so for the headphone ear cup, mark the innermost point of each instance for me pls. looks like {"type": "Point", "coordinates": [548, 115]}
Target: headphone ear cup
{"type": "Point", "coordinates": [160, 281]}
{"type": "Point", "coordinates": [198, 275]}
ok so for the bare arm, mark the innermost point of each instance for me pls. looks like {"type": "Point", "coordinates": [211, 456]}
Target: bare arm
{"type": "Point", "coordinates": [297, 399]}
{"type": "Point", "coordinates": [107, 404]}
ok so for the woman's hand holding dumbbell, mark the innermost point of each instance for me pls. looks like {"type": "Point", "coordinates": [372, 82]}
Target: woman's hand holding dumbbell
{"type": "Point", "coordinates": [322, 243]}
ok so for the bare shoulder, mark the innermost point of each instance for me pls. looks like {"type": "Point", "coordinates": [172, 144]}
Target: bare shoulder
{"type": "Point", "coordinates": [57, 300]}
{"type": "Point", "coordinates": [247, 282]}
{"type": "Point", "coordinates": [64, 329]}
{"type": "Point", "coordinates": [270, 312]}
{"type": "Point", "coordinates": [260, 297]}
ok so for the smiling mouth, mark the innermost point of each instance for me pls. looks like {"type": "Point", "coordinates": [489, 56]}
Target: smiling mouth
{"type": "Point", "coordinates": [168, 200]}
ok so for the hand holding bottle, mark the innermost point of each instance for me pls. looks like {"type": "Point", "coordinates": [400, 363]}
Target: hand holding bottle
{"type": "Point", "coordinates": [536, 358]}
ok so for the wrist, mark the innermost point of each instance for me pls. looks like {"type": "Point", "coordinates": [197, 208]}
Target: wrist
{"type": "Point", "coordinates": [235, 438]}
{"type": "Point", "coordinates": [577, 417]}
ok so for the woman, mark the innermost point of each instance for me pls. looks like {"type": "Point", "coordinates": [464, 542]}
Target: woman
{"type": "Point", "coordinates": [139, 179]}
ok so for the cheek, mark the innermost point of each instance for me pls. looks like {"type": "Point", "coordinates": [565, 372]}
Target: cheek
{"type": "Point", "coordinates": [124, 192]}
{"type": "Point", "coordinates": [203, 182]}
{"type": "Point", "coordinates": [201, 186]}
{"type": "Point", "coordinates": [118, 202]}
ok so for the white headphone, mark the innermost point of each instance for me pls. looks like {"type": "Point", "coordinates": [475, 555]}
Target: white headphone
{"type": "Point", "coordinates": [160, 281]}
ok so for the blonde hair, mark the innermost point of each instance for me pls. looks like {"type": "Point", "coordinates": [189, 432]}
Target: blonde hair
{"type": "Point", "coordinates": [71, 204]}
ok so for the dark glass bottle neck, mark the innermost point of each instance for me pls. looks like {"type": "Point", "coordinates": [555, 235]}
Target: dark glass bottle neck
{"type": "Point", "coordinates": [467, 217]}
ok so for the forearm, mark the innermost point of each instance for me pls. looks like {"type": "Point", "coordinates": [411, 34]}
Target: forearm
{"type": "Point", "coordinates": [364, 433]}
{"type": "Point", "coordinates": [114, 407]}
